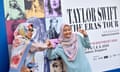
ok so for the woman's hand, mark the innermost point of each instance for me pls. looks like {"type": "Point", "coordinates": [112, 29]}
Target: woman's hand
{"type": "Point", "coordinates": [49, 44]}
{"type": "Point", "coordinates": [25, 69]}
{"type": "Point", "coordinates": [83, 32]}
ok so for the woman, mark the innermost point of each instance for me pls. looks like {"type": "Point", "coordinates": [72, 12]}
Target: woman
{"type": "Point", "coordinates": [21, 43]}
{"type": "Point", "coordinates": [71, 50]}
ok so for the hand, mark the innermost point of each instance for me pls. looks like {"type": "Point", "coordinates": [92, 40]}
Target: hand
{"type": "Point", "coordinates": [83, 32]}
{"type": "Point", "coordinates": [49, 44]}
{"type": "Point", "coordinates": [25, 69]}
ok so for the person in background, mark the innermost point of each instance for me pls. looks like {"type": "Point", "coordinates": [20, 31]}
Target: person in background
{"type": "Point", "coordinates": [71, 49]}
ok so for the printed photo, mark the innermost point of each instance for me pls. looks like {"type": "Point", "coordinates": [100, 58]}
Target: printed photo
{"type": "Point", "coordinates": [10, 28]}
{"type": "Point", "coordinates": [57, 65]}
{"type": "Point", "coordinates": [40, 28]}
{"type": "Point", "coordinates": [53, 8]}
{"type": "Point", "coordinates": [53, 29]}
{"type": "Point", "coordinates": [34, 8]}
{"type": "Point", "coordinates": [14, 9]}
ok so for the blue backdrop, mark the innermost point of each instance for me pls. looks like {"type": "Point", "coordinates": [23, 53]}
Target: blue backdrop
{"type": "Point", "coordinates": [4, 58]}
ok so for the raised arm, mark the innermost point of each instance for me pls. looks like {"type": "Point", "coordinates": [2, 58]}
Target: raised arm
{"type": "Point", "coordinates": [85, 39]}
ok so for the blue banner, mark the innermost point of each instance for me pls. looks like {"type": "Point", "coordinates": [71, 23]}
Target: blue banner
{"type": "Point", "coordinates": [114, 70]}
{"type": "Point", "coordinates": [4, 58]}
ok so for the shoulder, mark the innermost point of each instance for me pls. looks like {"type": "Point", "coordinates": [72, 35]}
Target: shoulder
{"type": "Point", "coordinates": [79, 35]}
{"type": "Point", "coordinates": [59, 47]}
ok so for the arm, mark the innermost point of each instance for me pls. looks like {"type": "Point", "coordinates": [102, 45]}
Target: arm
{"type": "Point", "coordinates": [52, 53]}
{"type": "Point", "coordinates": [37, 46]}
{"type": "Point", "coordinates": [84, 40]}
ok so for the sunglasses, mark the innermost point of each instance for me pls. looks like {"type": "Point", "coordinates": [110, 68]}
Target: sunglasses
{"type": "Point", "coordinates": [31, 30]}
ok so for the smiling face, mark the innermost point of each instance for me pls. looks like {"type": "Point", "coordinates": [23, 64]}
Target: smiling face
{"type": "Point", "coordinates": [54, 4]}
{"type": "Point", "coordinates": [67, 31]}
{"type": "Point", "coordinates": [29, 32]}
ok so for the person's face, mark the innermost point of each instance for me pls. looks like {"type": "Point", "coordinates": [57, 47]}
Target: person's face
{"type": "Point", "coordinates": [54, 4]}
{"type": "Point", "coordinates": [67, 31]}
{"type": "Point", "coordinates": [29, 32]}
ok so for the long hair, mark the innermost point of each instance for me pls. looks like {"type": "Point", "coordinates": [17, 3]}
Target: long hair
{"type": "Point", "coordinates": [58, 10]}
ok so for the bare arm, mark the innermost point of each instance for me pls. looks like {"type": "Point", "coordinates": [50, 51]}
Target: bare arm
{"type": "Point", "coordinates": [36, 46]}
